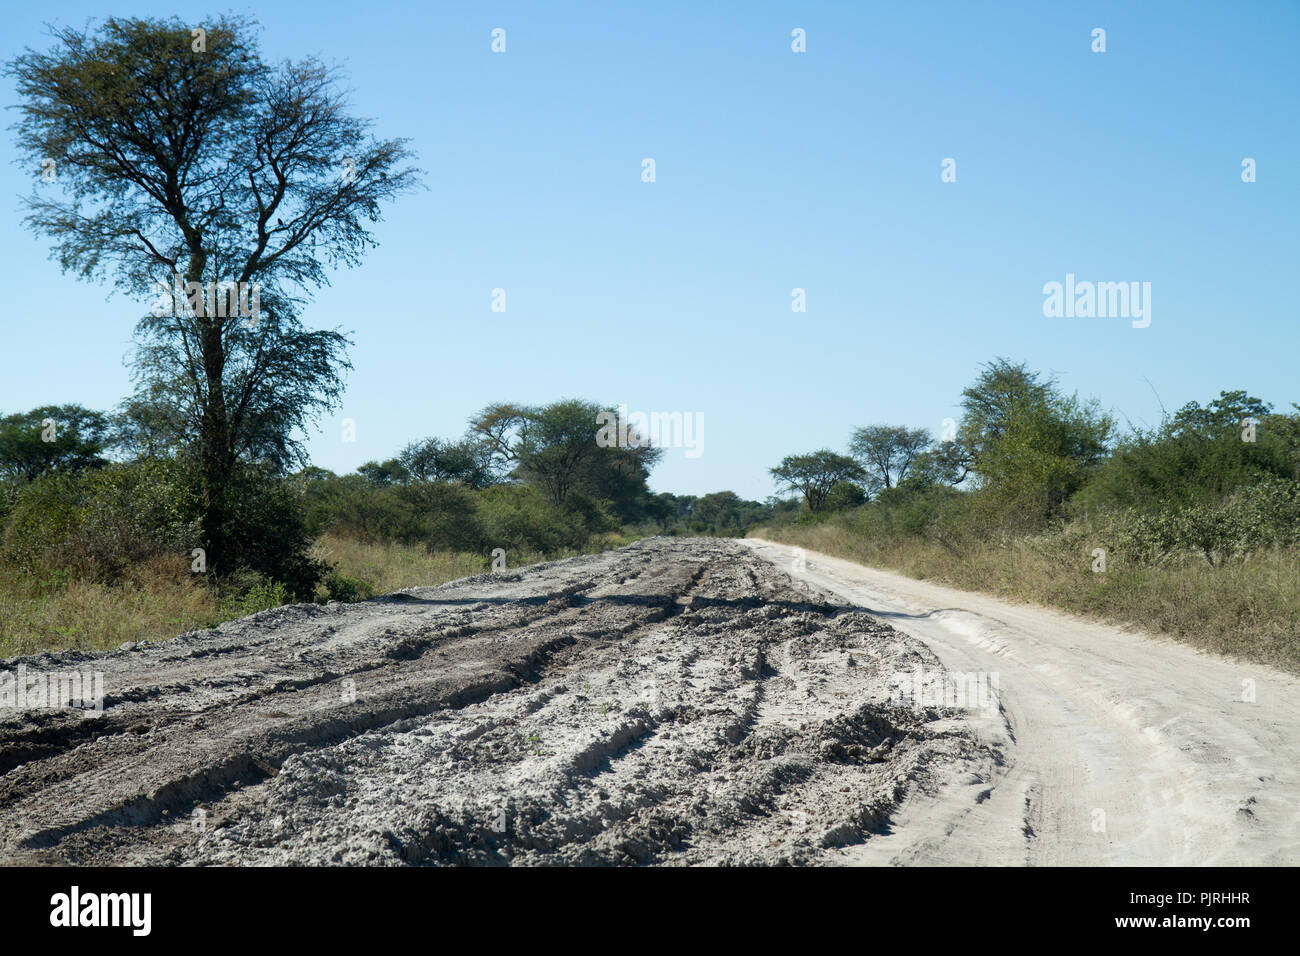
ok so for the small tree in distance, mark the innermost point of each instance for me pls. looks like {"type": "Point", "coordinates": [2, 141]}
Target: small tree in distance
{"type": "Point", "coordinates": [63, 438]}
{"type": "Point", "coordinates": [815, 474]}
{"type": "Point", "coordinates": [887, 453]}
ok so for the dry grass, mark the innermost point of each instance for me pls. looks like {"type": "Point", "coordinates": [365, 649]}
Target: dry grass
{"type": "Point", "coordinates": [54, 614]}
{"type": "Point", "coordinates": [163, 599]}
{"type": "Point", "coordinates": [391, 567]}
{"type": "Point", "coordinates": [1250, 608]}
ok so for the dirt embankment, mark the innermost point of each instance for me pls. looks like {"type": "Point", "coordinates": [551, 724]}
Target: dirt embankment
{"type": "Point", "coordinates": [676, 701]}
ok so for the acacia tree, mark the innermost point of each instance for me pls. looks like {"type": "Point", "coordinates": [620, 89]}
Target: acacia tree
{"type": "Point", "coordinates": [64, 438]}
{"type": "Point", "coordinates": [179, 155]}
{"type": "Point", "coordinates": [815, 474]}
{"type": "Point", "coordinates": [887, 452]}
{"type": "Point", "coordinates": [554, 448]}
{"type": "Point", "coordinates": [434, 459]}
{"type": "Point", "coordinates": [1030, 445]}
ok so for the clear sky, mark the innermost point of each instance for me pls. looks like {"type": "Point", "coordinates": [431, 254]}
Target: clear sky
{"type": "Point", "coordinates": [774, 170]}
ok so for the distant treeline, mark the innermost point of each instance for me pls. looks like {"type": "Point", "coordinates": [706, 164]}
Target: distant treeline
{"type": "Point", "coordinates": [92, 495]}
{"type": "Point", "coordinates": [1216, 482]}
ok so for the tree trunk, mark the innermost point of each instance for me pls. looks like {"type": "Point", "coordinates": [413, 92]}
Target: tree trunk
{"type": "Point", "coordinates": [216, 459]}
{"type": "Point", "coordinates": [213, 470]}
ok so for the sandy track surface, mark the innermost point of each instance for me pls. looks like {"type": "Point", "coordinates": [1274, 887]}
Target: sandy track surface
{"type": "Point", "coordinates": [673, 702]}
{"type": "Point", "coordinates": [1119, 748]}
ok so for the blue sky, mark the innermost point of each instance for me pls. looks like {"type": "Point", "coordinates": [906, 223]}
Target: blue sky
{"type": "Point", "coordinates": [774, 170]}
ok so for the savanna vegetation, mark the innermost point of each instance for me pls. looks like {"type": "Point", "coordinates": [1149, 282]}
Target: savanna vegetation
{"type": "Point", "coordinates": [101, 537]}
{"type": "Point", "coordinates": [1191, 528]}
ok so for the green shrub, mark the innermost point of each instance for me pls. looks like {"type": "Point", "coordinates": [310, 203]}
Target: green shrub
{"type": "Point", "coordinates": [98, 524]}
{"type": "Point", "coordinates": [260, 597]}
{"type": "Point", "coordinates": [519, 518]}
{"type": "Point", "coordinates": [1251, 519]}
{"type": "Point", "coordinates": [348, 590]}
{"type": "Point", "coordinates": [267, 531]}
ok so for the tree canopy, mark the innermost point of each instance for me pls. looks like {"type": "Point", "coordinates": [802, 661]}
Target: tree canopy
{"type": "Point", "coordinates": [52, 438]}
{"type": "Point", "coordinates": [814, 475]}
{"type": "Point", "coordinates": [1030, 445]}
{"type": "Point", "coordinates": [887, 453]}
{"type": "Point", "coordinates": [554, 448]}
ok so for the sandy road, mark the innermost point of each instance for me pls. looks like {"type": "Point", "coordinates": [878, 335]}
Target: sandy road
{"type": "Point", "coordinates": [1117, 748]}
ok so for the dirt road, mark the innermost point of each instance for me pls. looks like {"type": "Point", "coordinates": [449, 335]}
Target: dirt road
{"type": "Point", "coordinates": [673, 702]}
{"type": "Point", "coordinates": [1121, 749]}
